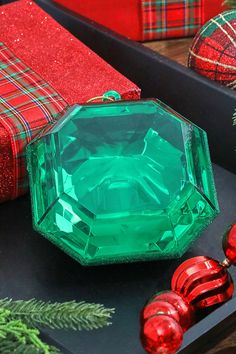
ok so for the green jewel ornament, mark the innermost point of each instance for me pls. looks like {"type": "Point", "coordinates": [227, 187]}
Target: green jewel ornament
{"type": "Point", "coordinates": [121, 182]}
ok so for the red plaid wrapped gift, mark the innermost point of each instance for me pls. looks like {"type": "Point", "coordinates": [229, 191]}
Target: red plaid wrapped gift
{"type": "Point", "coordinates": [27, 104]}
{"type": "Point", "coordinates": [145, 20]}
{"type": "Point", "coordinates": [39, 77]}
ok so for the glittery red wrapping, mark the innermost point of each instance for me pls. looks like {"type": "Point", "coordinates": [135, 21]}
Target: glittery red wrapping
{"type": "Point", "coordinates": [70, 67]}
{"type": "Point", "coordinates": [6, 166]}
{"type": "Point", "coordinates": [73, 69]}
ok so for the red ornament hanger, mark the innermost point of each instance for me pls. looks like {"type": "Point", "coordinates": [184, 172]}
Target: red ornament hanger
{"type": "Point", "coordinates": [198, 283]}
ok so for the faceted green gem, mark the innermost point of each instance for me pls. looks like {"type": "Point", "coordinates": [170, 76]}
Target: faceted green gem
{"type": "Point", "coordinates": [122, 181]}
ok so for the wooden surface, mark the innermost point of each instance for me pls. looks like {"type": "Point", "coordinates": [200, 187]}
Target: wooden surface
{"type": "Point", "coordinates": [174, 49]}
{"type": "Point", "coordinates": [178, 51]}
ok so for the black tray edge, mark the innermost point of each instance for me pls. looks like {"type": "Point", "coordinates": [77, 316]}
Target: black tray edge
{"type": "Point", "coordinates": [93, 35]}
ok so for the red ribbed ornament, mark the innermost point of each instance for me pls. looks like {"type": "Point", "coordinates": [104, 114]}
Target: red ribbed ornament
{"type": "Point", "coordinates": [161, 334]}
{"type": "Point", "coordinates": [203, 282]}
{"type": "Point", "coordinates": [185, 310]}
{"type": "Point", "coordinates": [229, 244]}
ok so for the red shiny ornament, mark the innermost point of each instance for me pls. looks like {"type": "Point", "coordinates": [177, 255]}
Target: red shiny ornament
{"type": "Point", "coordinates": [161, 335]}
{"type": "Point", "coordinates": [160, 308]}
{"type": "Point", "coordinates": [229, 244]}
{"type": "Point", "coordinates": [185, 310]}
{"type": "Point", "coordinates": [203, 282]}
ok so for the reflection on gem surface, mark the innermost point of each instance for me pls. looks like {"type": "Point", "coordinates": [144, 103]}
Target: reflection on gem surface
{"type": "Point", "coordinates": [121, 182]}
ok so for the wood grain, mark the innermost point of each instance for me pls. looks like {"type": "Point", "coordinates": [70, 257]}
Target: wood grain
{"type": "Point", "coordinates": [174, 49]}
{"type": "Point", "coordinates": [225, 346]}
{"type": "Point", "coordinates": [178, 51]}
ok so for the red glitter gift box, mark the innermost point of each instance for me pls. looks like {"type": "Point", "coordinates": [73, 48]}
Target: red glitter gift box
{"type": "Point", "coordinates": [144, 20]}
{"type": "Point", "coordinates": [43, 69]}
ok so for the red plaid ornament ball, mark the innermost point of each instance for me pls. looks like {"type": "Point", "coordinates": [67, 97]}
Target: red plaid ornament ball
{"type": "Point", "coordinates": [213, 52]}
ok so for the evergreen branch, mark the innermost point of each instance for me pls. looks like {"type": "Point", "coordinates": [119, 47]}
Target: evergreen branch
{"type": "Point", "coordinates": [16, 337]}
{"type": "Point", "coordinates": [232, 85]}
{"type": "Point", "coordinates": [230, 3]}
{"type": "Point", "coordinates": [234, 118]}
{"type": "Point", "coordinates": [67, 315]}
{"type": "Point", "coordinates": [11, 346]}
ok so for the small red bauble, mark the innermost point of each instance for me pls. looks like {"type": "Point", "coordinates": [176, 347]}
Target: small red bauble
{"type": "Point", "coordinates": [185, 310]}
{"type": "Point", "coordinates": [197, 283]}
{"type": "Point", "coordinates": [203, 282]}
{"type": "Point", "coordinates": [229, 244]}
{"type": "Point", "coordinates": [160, 308]}
{"type": "Point", "coordinates": [161, 334]}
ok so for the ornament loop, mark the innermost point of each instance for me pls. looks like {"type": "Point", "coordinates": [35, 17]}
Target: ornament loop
{"type": "Point", "coordinates": [112, 94]}
{"type": "Point", "coordinates": [226, 263]}
{"type": "Point", "coordinates": [99, 98]}
{"type": "Point", "coordinates": [107, 96]}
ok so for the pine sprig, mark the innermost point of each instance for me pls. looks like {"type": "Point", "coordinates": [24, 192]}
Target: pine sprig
{"type": "Point", "coordinates": [234, 118]}
{"type": "Point", "coordinates": [11, 346]}
{"type": "Point", "coordinates": [67, 315]}
{"type": "Point", "coordinates": [230, 3]}
{"type": "Point", "coordinates": [16, 337]}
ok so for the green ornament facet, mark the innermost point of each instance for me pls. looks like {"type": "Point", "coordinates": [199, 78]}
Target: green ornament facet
{"type": "Point", "coordinates": [121, 182]}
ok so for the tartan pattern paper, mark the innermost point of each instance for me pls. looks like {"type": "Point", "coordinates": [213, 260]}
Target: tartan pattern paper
{"type": "Point", "coordinates": [27, 104]}
{"type": "Point", "coordinates": [171, 18]}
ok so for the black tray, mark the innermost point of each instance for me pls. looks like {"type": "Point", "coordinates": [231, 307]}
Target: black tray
{"type": "Point", "coordinates": [32, 267]}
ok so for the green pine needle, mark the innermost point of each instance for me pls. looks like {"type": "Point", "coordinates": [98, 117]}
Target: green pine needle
{"type": "Point", "coordinates": [11, 346]}
{"type": "Point", "coordinates": [234, 118]}
{"type": "Point", "coordinates": [230, 3]}
{"type": "Point", "coordinates": [17, 318]}
{"type": "Point", "coordinates": [67, 315]}
{"type": "Point", "coordinates": [17, 338]}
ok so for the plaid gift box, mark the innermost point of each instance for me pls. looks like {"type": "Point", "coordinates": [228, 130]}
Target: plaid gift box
{"type": "Point", "coordinates": [27, 104]}
{"type": "Point", "coordinates": [146, 20]}
{"type": "Point", "coordinates": [174, 18]}
{"type": "Point", "coordinates": [39, 78]}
